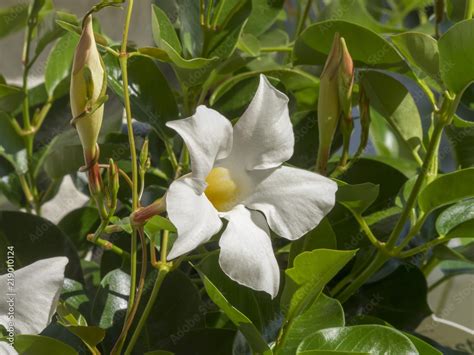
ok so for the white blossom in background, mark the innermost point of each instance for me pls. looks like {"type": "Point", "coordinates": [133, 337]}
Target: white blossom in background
{"type": "Point", "coordinates": [237, 174]}
{"type": "Point", "coordinates": [37, 289]}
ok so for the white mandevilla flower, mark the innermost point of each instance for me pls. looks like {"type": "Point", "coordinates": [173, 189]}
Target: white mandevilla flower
{"type": "Point", "coordinates": [37, 288]}
{"type": "Point", "coordinates": [237, 174]}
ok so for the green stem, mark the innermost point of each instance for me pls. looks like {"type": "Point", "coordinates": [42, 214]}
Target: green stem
{"type": "Point", "coordinates": [373, 267]}
{"type": "Point", "coordinates": [368, 232]}
{"type": "Point", "coordinates": [424, 247]}
{"type": "Point", "coordinates": [303, 18]}
{"type": "Point", "coordinates": [276, 49]}
{"type": "Point", "coordinates": [162, 272]}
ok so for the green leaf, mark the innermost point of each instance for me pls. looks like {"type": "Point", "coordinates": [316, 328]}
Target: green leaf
{"type": "Point", "coordinates": [394, 103]}
{"type": "Point", "coordinates": [447, 189]}
{"type": "Point", "coordinates": [245, 325]}
{"type": "Point", "coordinates": [456, 9]}
{"type": "Point", "coordinates": [13, 18]}
{"type": "Point", "coordinates": [58, 65]}
{"type": "Point", "coordinates": [11, 97]}
{"type": "Point", "coordinates": [420, 50]}
{"type": "Point", "coordinates": [164, 34]}
{"type": "Point", "coordinates": [456, 56]}
{"type": "Point", "coordinates": [311, 271]}
{"type": "Point", "coordinates": [90, 335]}
{"type": "Point", "coordinates": [454, 216]}
{"type": "Point", "coordinates": [357, 198]}
{"type": "Point", "coordinates": [462, 143]}
{"type": "Point", "coordinates": [69, 159]}
{"type": "Point", "coordinates": [78, 223]}
{"type": "Point", "coordinates": [123, 223]}
{"type": "Point", "coordinates": [221, 43]}
{"type": "Point", "coordinates": [36, 238]}
{"type": "Point", "coordinates": [41, 345]}
{"type": "Point", "coordinates": [264, 14]}
{"type": "Point", "coordinates": [249, 44]}
{"type": "Point", "coordinates": [367, 48]}
{"type": "Point", "coordinates": [158, 223]}
{"type": "Point", "coordinates": [74, 295]}
{"type": "Point", "coordinates": [383, 299]}
{"type": "Point", "coordinates": [206, 341]}
{"type": "Point", "coordinates": [359, 339]}
{"type": "Point", "coordinates": [325, 312]}
{"type": "Point", "coordinates": [423, 347]}
{"type": "Point", "coordinates": [321, 237]}
{"type": "Point", "coordinates": [12, 147]}
{"type": "Point", "coordinates": [152, 100]}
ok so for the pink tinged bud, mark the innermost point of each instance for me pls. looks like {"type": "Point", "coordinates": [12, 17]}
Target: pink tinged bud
{"type": "Point", "coordinates": [87, 84]}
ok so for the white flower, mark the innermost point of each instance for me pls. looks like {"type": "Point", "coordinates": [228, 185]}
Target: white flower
{"type": "Point", "coordinates": [36, 293]}
{"type": "Point", "coordinates": [237, 174]}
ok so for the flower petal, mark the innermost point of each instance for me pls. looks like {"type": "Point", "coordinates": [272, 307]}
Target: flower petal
{"type": "Point", "coordinates": [194, 216]}
{"type": "Point", "coordinates": [293, 200]}
{"type": "Point", "coordinates": [37, 288]}
{"type": "Point", "coordinates": [246, 251]}
{"type": "Point", "coordinates": [263, 136]}
{"type": "Point", "coordinates": [7, 349]}
{"type": "Point", "coordinates": [208, 136]}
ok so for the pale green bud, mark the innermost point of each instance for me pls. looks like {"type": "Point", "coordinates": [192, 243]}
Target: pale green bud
{"type": "Point", "coordinates": [334, 100]}
{"type": "Point", "coordinates": [87, 90]}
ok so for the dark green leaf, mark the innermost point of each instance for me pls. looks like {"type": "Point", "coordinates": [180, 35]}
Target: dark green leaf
{"type": "Point", "coordinates": [13, 18]}
{"type": "Point", "coordinates": [11, 98]}
{"type": "Point", "coordinates": [264, 14]}
{"type": "Point", "coordinates": [454, 216]}
{"type": "Point", "coordinates": [78, 223]}
{"type": "Point", "coordinates": [367, 48]}
{"type": "Point", "coordinates": [35, 238]}
{"type": "Point", "coordinates": [357, 198]}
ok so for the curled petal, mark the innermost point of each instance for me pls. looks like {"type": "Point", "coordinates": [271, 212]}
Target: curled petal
{"type": "Point", "coordinates": [263, 136]}
{"type": "Point", "coordinates": [194, 216]}
{"type": "Point", "coordinates": [208, 136]}
{"type": "Point", "coordinates": [294, 201]}
{"type": "Point", "coordinates": [37, 288]}
{"type": "Point", "coordinates": [246, 251]}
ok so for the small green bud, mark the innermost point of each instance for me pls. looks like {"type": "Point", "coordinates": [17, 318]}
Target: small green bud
{"type": "Point", "coordinates": [144, 157]}
{"type": "Point", "coordinates": [113, 184]}
{"type": "Point", "coordinates": [87, 91]}
{"type": "Point", "coordinates": [334, 102]}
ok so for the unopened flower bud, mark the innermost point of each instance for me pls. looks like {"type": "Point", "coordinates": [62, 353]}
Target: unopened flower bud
{"type": "Point", "coordinates": [113, 184]}
{"type": "Point", "coordinates": [140, 216]}
{"type": "Point", "coordinates": [364, 110]}
{"type": "Point", "coordinates": [87, 91]}
{"type": "Point", "coordinates": [335, 93]}
{"type": "Point", "coordinates": [144, 158]}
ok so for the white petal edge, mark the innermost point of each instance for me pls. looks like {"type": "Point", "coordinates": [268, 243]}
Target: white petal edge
{"type": "Point", "coordinates": [6, 348]}
{"type": "Point", "coordinates": [246, 254]}
{"type": "Point", "coordinates": [37, 289]}
{"type": "Point", "coordinates": [263, 136]}
{"type": "Point", "coordinates": [293, 200]}
{"type": "Point", "coordinates": [195, 218]}
{"type": "Point", "coordinates": [208, 136]}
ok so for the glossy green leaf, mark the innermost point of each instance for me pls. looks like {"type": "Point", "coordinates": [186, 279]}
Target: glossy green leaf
{"type": "Point", "coordinates": [311, 271]}
{"type": "Point", "coordinates": [74, 295]}
{"type": "Point", "coordinates": [455, 215]}
{"type": "Point", "coordinates": [158, 223]}
{"type": "Point", "coordinates": [11, 98]}
{"type": "Point", "coordinates": [58, 65]}
{"type": "Point", "coordinates": [357, 198]}
{"type": "Point", "coordinates": [152, 100]}
{"type": "Point", "coordinates": [394, 103]}
{"type": "Point", "coordinates": [164, 34]}
{"type": "Point", "coordinates": [41, 345]}
{"type": "Point", "coordinates": [78, 223]}
{"type": "Point", "coordinates": [244, 324]}
{"type": "Point", "coordinates": [36, 238]}
{"type": "Point", "coordinates": [13, 18]}
{"type": "Point", "coordinates": [420, 50]}
{"type": "Point", "coordinates": [359, 339]}
{"type": "Point", "coordinates": [367, 48]}
{"type": "Point", "coordinates": [325, 312]}
{"type": "Point", "coordinates": [383, 299]}
{"type": "Point", "coordinates": [423, 347]}
{"type": "Point", "coordinates": [321, 237]}
{"type": "Point", "coordinates": [447, 189]}
{"type": "Point", "coordinates": [90, 335]}
{"type": "Point", "coordinates": [456, 56]}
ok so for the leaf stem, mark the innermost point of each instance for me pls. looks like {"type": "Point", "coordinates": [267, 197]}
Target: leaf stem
{"type": "Point", "coordinates": [303, 18]}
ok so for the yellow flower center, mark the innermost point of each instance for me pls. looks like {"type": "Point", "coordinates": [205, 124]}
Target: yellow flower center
{"type": "Point", "coordinates": [221, 189]}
